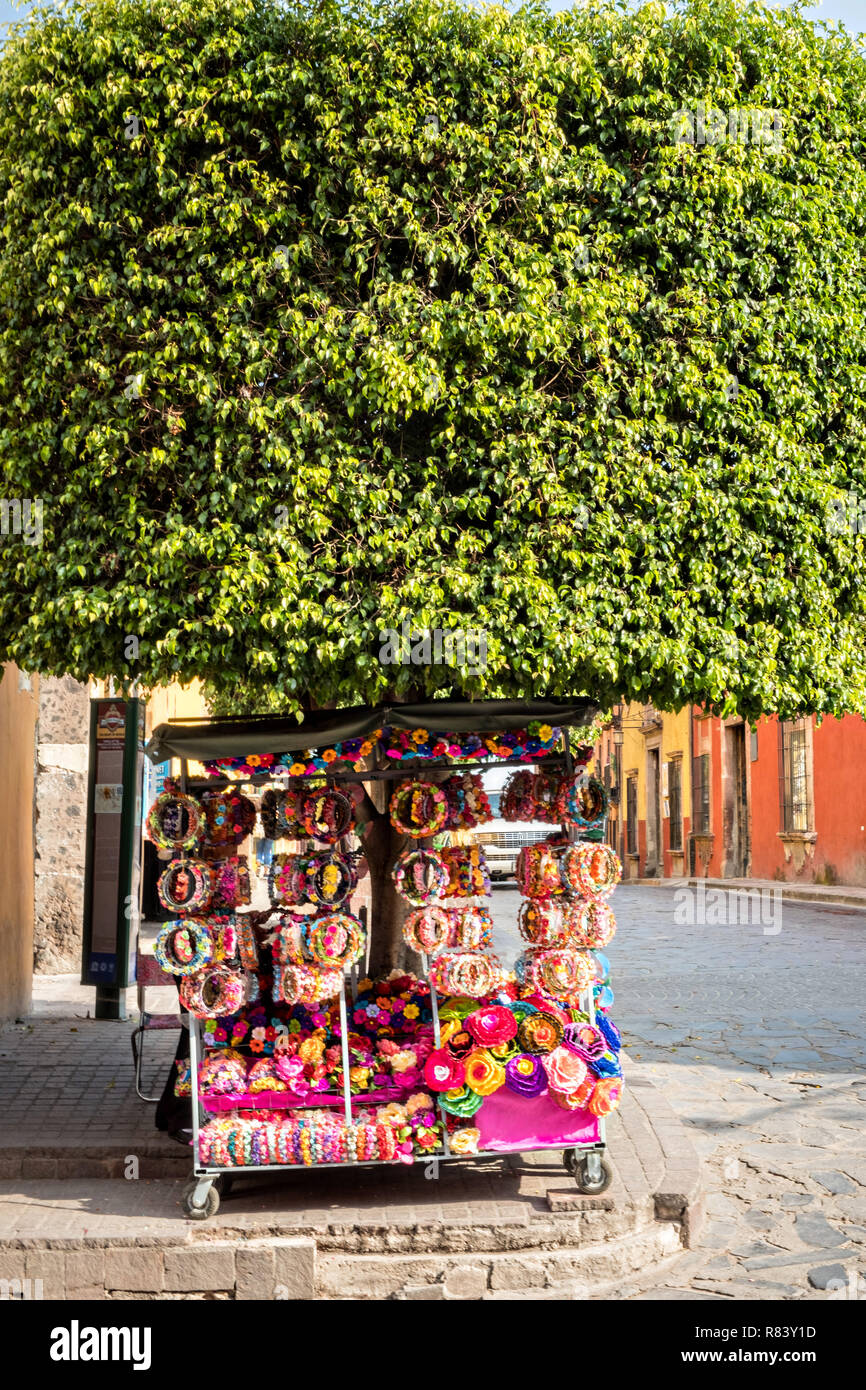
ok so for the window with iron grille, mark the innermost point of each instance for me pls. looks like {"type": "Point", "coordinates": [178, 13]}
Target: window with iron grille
{"type": "Point", "coordinates": [794, 780]}
{"type": "Point", "coordinates": [701, 794]}
{"type": "Point", "coordinates": [631, 814]}
{"type": "Point", "coordinates": [675, 803]}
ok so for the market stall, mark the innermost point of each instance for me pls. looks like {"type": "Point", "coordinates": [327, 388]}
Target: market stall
{"type": "Point", "coordinates": [297, 1058]}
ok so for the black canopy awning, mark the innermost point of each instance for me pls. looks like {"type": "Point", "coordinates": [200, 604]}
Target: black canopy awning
{"type": "Point", "coordinates": [199, 740]}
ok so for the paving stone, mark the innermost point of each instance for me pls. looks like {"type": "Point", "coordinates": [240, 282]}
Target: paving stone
{"type": "Point", "coordinates": [834, 1182]}
{"type": "Point", "coordinates": [797, 1199]}
{"type": "Point", "coordinates": [823, 1275]}
{"type": "Point", "coordinates": [814, 1229]}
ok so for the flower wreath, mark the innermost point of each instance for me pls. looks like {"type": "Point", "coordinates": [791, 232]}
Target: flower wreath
{"type": "Point", "coordinates": [186, 887]}
{"type": "Point", "coordinates": [229, 817]}
{"type": "Point", "coordinates": [468, 803]}
{"type": "Point", "coordinates": [329, 878]}
{"type": "Point", "coordinates": [304, 984]}
{"type": "Point", "coordinates": [185, 947]}
{"type": "Point", "coordinates": [420, 876]}
{"type": "Point", "coordinates": [427, 929]}
{"type": "Point", "coordinates": [545, 793]}
{"type": "Point", "coordinates": [337, 940]}
{"type": "Point", "coordinates": [583, 800]}
{"type": "Point", "coordinates": [468, 875]}
{"type": "Point", "coordinates": [465, 972]}
{"type": "Point", "coordinates": [592, 924]}
{"type": "Point", "coordinates": [418, 809]}
{"type": "Point", "coordinates": [231, 883]}
{"type": "Point", "coordinates": [213, 993]}
{"type": "Point", "coordinates": [517, 801]}
{"type": "Point", "coordinates": [248, 948]}
{"type": "Point", "coordinates": [326, 815]}
{"type": "Point", "coordinates": [471, 929]}
{"type": "Point", "coordinates": [537, 870]}
{"type": "Point", "coordinates": [287, 880]}
{"type": "Point", "coordinates": [592, 871]}
{"type": "Point", "coordinates": [543, 923]}
{"type": "Point", "coordinates": [174, 821]}
{"type": "Point", "coordinates": [563, 973]}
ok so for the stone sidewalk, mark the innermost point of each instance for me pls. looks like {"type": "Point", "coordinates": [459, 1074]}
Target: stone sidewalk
{"type": "Point", "coordinates": [90, 1198]}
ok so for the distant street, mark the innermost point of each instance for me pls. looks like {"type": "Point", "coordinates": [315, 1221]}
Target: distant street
{"type": "Point", "coordinates": [758, 1042]}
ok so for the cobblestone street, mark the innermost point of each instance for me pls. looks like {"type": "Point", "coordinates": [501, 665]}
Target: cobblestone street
{"type": "Point", "coordinates": [757, 1042]}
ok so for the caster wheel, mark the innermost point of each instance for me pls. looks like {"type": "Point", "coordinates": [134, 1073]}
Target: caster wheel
{"type": "Point", "coordinates": [592, 1182]}
{"type": "Point", "coordinates": [224, 1183]}
{"type": "Point", "coordinates": [210, 1206]}
{"type": "Point", "coordinates": [570, 1159]}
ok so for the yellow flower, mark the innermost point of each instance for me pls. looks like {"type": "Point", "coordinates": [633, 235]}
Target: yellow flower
{"type": "Point", "coordinates": [364, 984]}
{"type": "Point", "coordinates": [253, 759]}
{"type": "Point", "coordinates": [545, 732]}
{"type": "Point", "coordinates": [366, 749]}
{"type": "Point", "coordinates": [297, 769]}
{"type": "Point", "coordinates": [329, 755]}
{"type": "Point", "coordinates": [419, 735]}
{"type": "Point", "coordinates": [411, 1011]}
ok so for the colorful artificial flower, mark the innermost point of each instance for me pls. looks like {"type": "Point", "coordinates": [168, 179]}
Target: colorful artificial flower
{"type": "Point", "coordinates": [442, 1072]}
{"type": "Point", "coordinates": [491, 1025]}
{"type": "Point", "coordinates": [606, 1095]}
{"type": "Point", "coordinates": [525, 1075]}
{"type": "Point", "coordinates": [464, 1141]}
{"type": "Point", "coordinates": [565, 1070]}
{"type": "Point", "coordinates": [484, 1074]}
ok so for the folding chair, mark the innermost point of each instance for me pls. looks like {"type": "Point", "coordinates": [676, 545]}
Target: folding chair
{"type": "Point", "coordinates": [149, 974]}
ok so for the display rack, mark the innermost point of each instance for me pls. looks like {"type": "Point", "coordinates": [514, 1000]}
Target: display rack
{"type": "Point", "coordinates": [584, 1159]}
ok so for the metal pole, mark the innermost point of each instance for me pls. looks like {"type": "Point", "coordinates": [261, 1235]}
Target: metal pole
{"type": "Point", "coordinates": [344, 1048]}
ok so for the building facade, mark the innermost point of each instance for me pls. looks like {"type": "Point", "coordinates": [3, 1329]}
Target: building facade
{"type": "Point", "coordinates": [692, 794]}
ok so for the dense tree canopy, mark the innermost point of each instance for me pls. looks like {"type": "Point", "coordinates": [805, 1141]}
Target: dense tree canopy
{"type": "Point", "coordinates": [316, 319]}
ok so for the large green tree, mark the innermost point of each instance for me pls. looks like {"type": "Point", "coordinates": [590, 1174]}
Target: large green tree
{"type": "Point", "coordinates": [313, 319]}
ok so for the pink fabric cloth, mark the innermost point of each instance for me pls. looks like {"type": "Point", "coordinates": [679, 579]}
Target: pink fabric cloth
{"type": "Point", "coordinates": [282, 1100]}
{"type": "Point", "coordinates": [507, 1122]}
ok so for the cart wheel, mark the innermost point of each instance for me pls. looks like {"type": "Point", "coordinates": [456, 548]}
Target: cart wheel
{"type": "Point", "coordinates": [569, 1158]}
{"type": "Point", "coordinates": [210, 1205]}
{"type": "Point", "coordinates": [592, 1173]}
{"type": "Point", "coordinates": [223, 1184]}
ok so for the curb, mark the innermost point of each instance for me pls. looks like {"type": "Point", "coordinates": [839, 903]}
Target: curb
{"type": "Point", "coordinates": [790, 892]}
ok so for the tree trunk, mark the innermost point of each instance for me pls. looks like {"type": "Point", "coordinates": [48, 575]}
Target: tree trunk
{"type": "Point", "coordinates": [383, 846]}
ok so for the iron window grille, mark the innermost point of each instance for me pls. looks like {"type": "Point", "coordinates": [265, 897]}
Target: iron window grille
{"type": "Point", "coordinates": [794, 777]}
{"type": "Point", "coordinates": [675, 805]}
{"type": "Point", "coordinates": [631, 814]}
{"type": "Point", "coordinates": [701, 794]}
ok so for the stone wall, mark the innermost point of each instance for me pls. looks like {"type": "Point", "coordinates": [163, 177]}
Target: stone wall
{"type": "Point", "coordinates": [18, 710]}
{"type": "Point", "coordinates": [60, 825]}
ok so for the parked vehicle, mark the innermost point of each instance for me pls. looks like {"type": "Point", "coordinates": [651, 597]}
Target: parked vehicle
{"type": "Point", "coordinates": [502, 839]}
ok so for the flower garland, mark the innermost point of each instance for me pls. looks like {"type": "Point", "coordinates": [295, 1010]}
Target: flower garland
{"type": "Point", "coordinates": [471, 929]}
{"type": "Point", "coordinates": [518, 801]}
{"type": "Point", "coordinates": [535, 741]}
{"type": "Point", "coordinates": [543, 923]}
{"type": "Point", "coordinates": [418, 809]}
{"type": "Point", "coordinates": [184, 948]}
{"type": "Point", "coordinates": [287, 880]}
{"type": "Point", "coordinates": [186, 887]}
{"type": "Point", "coordinates": [174, 821]}
{"type": "Point", "coordinates": [583, 802]}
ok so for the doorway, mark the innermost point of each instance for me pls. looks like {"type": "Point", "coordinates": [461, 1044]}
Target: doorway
{"type": "Point", "coordinates": [736, 818]}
